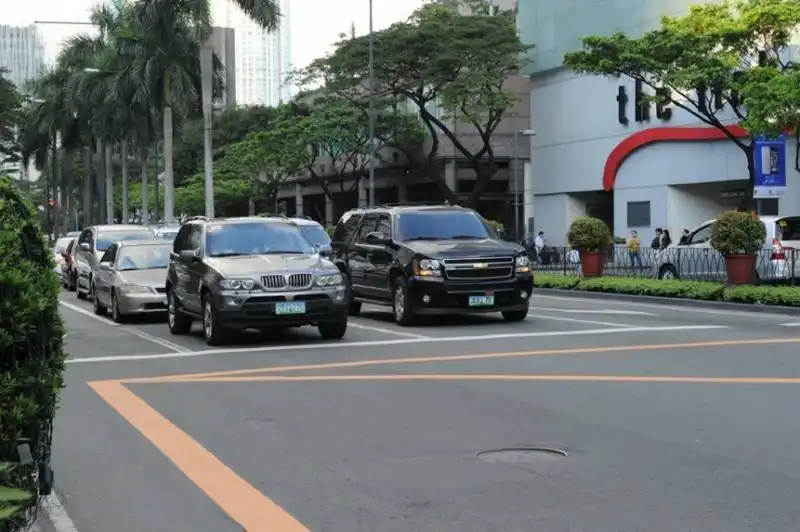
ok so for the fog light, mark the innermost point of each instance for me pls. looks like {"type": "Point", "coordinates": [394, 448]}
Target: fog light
{"type": "Point", "coordinates": [523, 294]}
{"type": "Point", "coordinates": [426, 299]}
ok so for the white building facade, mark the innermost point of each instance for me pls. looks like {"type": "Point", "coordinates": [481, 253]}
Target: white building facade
{"type": "Point", "coordinates": [263, 59]}
{"type": "Point", "coordinates": [22, 53]}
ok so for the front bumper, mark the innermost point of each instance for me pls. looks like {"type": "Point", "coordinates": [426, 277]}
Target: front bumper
{"type": "Point", "coordinates": [434, 296]}
{"type": "Point", "coordinates": [253, 310]}
{"type": "Point", "coordinates": [142, 303]}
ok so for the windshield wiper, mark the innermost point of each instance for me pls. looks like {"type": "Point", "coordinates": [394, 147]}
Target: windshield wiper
{"type": "Point", "coordinates": [423, 238]}
{"type": "Point", "coordinates": [466, 237]}
{"type": "Point", "coordinates": [230, 254]}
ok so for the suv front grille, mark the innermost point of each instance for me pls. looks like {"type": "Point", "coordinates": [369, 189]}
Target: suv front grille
{"type": "Point", "coordinates": [294, 281]}
{"type": "Point", "coordinates": [479, 268]}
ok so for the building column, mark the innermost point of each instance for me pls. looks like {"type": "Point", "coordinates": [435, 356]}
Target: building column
{"type": "Point", "coordinates": [450, 178]}
{"type": "Point", "coordinates": [527, 199]}
{"type": "Point", "coordinates": [402, 191]}
{"type": "Point", "coordinates": [298, 200]}
{"type": "Point", "coordinates": [328, 211]}
{"type": "Point", "coordinates": [362, 192]}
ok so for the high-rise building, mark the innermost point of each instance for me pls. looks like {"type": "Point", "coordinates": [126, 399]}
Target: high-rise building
{"type": "Point", "coordinates": [263, 58]}
{"type": "Point", "coordinates": [21, 53]}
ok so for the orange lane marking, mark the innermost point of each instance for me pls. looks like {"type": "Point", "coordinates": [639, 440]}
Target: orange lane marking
{"type": "Point", "coordinates": [476, 377]}
{"type": "Point", "coordinates": [243, 503]}
{"type": "Point", "coordinates": [456, 358]}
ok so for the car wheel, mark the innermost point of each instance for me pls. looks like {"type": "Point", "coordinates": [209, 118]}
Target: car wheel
{"type": "Point", "coordinates": [212, 331]}
{"type": "Point", "coordinates": [116, 315]}
{"type": "Point", "coordinates": [515, 315]}
{"type": "Point", "coordinates": [668, 272]}
{"type": "Point", "coordinates": [401, 303]}
{"type": "Point", "coordinates": [334, 330]}
{"type": "Point", "coordinates": [177, 321]}
{"type": "Point", "coordinates": [99, 309]}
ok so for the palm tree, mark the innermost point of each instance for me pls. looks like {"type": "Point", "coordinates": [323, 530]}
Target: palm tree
{"type": "Point", "coordinates": [166, 43]}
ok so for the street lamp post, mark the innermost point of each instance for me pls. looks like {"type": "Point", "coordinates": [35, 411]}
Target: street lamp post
{"type": "Point", "coordinates": [524, 133]}
{"type": "Point", "coordinates": [371, 109]}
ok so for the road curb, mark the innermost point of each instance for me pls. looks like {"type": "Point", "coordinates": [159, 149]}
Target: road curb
{"type": "Point", "coordinates": [674, 301]}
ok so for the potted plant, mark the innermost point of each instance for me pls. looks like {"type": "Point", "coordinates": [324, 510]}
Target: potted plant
{"type": "Point", "coordinates": [592, 238]}
{"type": "Point", "coordinates": [739, 236]}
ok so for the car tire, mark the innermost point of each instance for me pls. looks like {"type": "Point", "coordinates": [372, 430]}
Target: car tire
{"type": "Point", "coordinates": [402, 309]}
{"type": "Point", "coordinates": [213, 332]}
{"type": "Point", "coordinates": [668, 272]}
{"type": "Point", "coordinates": [515, 315]}
{"type": "Point", "coordinates": [353, 307]}
{"type": "Point", "coordinates": [99, 309]}
{"type": "Point", "coordinates": [116, 315]}
{"type": "Point", "coordinates": [333, 330]}
{"type": "Point", "coordinates": [177, 321]}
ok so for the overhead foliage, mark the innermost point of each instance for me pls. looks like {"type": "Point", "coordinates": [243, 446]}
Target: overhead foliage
{"type": "Point", "coordinates": [10, 117]}
{"type": "Point", "coordinates": [721, 63]}
{"type": "Point", "coordinates": [446, 64]}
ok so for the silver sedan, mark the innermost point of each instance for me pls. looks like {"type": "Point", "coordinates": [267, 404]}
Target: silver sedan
{"type": "Point", "coordinates": [131, 279]}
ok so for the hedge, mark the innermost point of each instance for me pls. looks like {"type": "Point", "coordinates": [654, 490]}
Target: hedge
{"type": "Point", "coordinates": [31, 358]}
{"type": "Point", "coordinates": [788, 296]}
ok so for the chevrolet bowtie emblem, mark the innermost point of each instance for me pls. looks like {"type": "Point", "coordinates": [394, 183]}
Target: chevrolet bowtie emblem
{"type": "Point", "coordinates": [480, 265]}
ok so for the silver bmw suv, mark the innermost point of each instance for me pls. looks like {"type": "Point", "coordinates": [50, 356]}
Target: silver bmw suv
{"type": "Point", "coordinates": [251, 273]}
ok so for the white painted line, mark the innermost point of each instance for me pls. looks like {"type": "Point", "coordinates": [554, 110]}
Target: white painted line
{"type": "Point", "coordinates": [58, 514]}
{"type": "Point", "coordinates": [598, 311]}
{"type": "Point", "coordinates": [403, 341]}
{"type": "Point", "coordinates": [136, 332]}
{"type": "Point", "coordinates": [588, 322]}
{"type": "Point", "coordinates": [384, 331]}
{"type": "Point", "coordinates": [790, 324]}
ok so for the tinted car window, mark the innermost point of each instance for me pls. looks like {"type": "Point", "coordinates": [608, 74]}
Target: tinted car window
{"type": "Point", "coordinates": [788, 228]}
{"type": "Point", "coordinates": [143, 257]}
{"type": "Point", "coordinates": [104, 240]}
{"type": "Point", "coordinates": [439, 225]}
{"type": "Point", "coordinates": [346, 227]}
{"type": "Point", "coordinates": [109, 255]}
{"type": "Point", "coordinates": [367, 227]}
{"type": "Point", "coordinates": [315, 234]}
{"type": "Point", "coordinates": [384, 224]}
{"type": "Point", "coordinates": [181, 239]}
{"type": "Point", "coordinates": [255, 238]}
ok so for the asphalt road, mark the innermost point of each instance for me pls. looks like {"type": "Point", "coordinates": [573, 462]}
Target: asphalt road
{"type": "Point", "coordinates": [665, 419]}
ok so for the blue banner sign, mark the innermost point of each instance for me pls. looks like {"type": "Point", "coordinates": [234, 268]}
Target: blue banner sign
{"type": "Point", "coordinates": [770, 162]}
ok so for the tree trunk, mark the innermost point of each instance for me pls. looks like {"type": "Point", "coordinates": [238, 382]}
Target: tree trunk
{"type": "Point", "coordinates": [483, 176]}
{"type": "Point", "coordinates": [169, 184]}
{"type": "Point", "coordinates": [100, 184]}
{"type": "Point", "coordinates": [124, 161]}
{"type": "Point", "coordinates": [251, 207]}
{"type": "Point", "coordinates": [110, 214]}
{"type": "Point", "coordinates": [87, 188]}
{"type": "Point", "coordinates": [145, 188]}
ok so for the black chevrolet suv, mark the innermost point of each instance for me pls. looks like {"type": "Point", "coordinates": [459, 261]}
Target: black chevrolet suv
{"type": "Point", "coordinates": [425, 260]}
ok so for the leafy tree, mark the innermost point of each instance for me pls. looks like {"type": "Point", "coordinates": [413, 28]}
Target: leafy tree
{"type": "Point", "coordinates": [719, 63]}
{"type": "Point", "coordinates": [10, 115]}
{"type": "Point", "coordinates": [447, 64]}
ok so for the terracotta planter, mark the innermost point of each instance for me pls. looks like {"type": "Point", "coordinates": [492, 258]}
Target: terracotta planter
{"type": "Point", "coordinates": [741, 268]}
{"type": "Point", "coordinates": [592, 263]}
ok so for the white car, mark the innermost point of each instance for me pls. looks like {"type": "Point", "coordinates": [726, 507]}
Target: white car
{"type": "Point", "coordinates": [696, 259]}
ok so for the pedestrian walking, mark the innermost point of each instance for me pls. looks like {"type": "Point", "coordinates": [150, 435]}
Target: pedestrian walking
{"type": "Point", "coordinates": [635, 249]}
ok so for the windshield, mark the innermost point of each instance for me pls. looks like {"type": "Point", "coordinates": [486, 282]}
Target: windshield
{"type": "Point", "coordinates": [440, 225]}
{"type": "Point", "coordinates": [255, 238]}
{"type": "Point", "coordinates": [61, 245]}
{"type": "Point", "coordinates": [104, 240]}
{"type": "Point", "coordinates": [788, 228]}
{"type": "Point", "coordinates": [143, 257]}
{"type": "Point", "coordinates": [316, 235]}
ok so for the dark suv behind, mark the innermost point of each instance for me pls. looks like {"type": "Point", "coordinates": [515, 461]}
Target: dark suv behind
{"type": "Point", "coordinates": [430, 260]}
{"type": "Point", "coordinates": [244, 273]}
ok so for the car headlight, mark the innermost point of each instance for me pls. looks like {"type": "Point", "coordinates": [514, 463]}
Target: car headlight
{"type": "Point", "coordinates": [237, 284]}
{"type": "Point", "coordinates": [135, 289]}
{"type": "Point", "coordinates": [330, 280]}
{"type": "Point", "coordinates": [428, 268]}
{"type": "Point", "coordinates": [523, 264]}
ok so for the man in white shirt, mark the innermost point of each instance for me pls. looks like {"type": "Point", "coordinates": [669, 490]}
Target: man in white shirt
{"type": "Point", "coordinates": [538, 243]}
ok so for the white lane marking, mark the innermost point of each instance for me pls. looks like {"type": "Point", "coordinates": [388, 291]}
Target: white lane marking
{"type": "Point", "coordinates": [588, 322]}
{"type": "Point", "coordinates": [598, 311]}
{"type": "Point", "coordinates": [375, 343]}
{"type": "Point", "coordinates": [591, 300]}
{"type": "Point", "coordinates": [57, 514]}
{"type": "Point", "coordinates": [797, 324]}
{"type": "Point", "coordinates": [385, 331]}
{"type": "Point", "coordinates": [136, 332]}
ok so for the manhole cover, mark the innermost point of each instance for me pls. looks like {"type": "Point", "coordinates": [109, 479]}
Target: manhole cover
{"type": "Point", "coordinates": [522, 455]}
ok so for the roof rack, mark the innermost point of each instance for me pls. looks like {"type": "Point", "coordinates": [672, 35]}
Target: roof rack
{"type": "Point", "coordinates": [272, 215]}
{"type": "Point", "coordinates": [193, 218]}
{"type": "Point", "coordinates": [418, 204]}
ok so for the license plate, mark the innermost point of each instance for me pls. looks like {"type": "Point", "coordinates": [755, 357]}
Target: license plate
{"type": "Point", "coordinates": [290, 307]}
{"type": "Point", "coordinates": [481, 301]}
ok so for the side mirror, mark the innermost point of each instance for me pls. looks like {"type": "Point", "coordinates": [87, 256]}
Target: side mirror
{"type": "Point", "coordinates": [104, 265]}
{"type": "Point", "coordinates": [85, 247]}
{"type": "Point", "coordinates": [378, 239]}
{"type": "Point", "coordinates": [324, 249]}
{"type": "Point", "coordinates": [189, 254]}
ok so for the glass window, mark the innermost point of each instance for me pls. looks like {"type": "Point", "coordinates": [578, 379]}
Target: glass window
{"type": "Point", "coordinates": [143, 257]}
{"type": "Point", "coordinates": [182, 239]}
{"type": "Point", "coordinates": [86, 237]}
{"type": "Point", "coordinates": [61, 245]}
{"type": "Point", "coordinates": [367, 227]}
{"type": "Point", "coordinates": [346, 228]}
{"type": "Point", "coordinates": [255, 238]}
{"type": "Point", "coordinates": [104, 240]}
{"type": "Point", "coordinates": [439, 225]}
{"type": "Point", "coordinates": [108, 256]}
{"type": "Point", "coordinates": [788, 228]}
{"type": "Point", "coordinates": [316, 235]}
{"type": "Point", "coordinates": [701, 236]}
{"type": "Point", "coordinates": [638, 214]}
{"type": "Point", "coordinates": [384, 225]}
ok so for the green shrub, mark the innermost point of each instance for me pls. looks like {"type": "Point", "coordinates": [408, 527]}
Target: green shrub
{"type": "Point", "coordinates": [589, 234]}
{"type": "Point", "coordinates": [31, 346]}
{"type": "Point", "coordinates": [564, 282]}
{"type": "Point", "coordinates": [788, 296]}
{"type": "Point", "coordinates": [654, 287]}
{"type": "Point", "coordinates": [330, 229]}
{"type": "Point", "coordinates": [738, 233]}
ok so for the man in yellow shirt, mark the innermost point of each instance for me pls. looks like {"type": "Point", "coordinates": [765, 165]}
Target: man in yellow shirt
{"type": "Point", "coordinates": [635, 249]}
